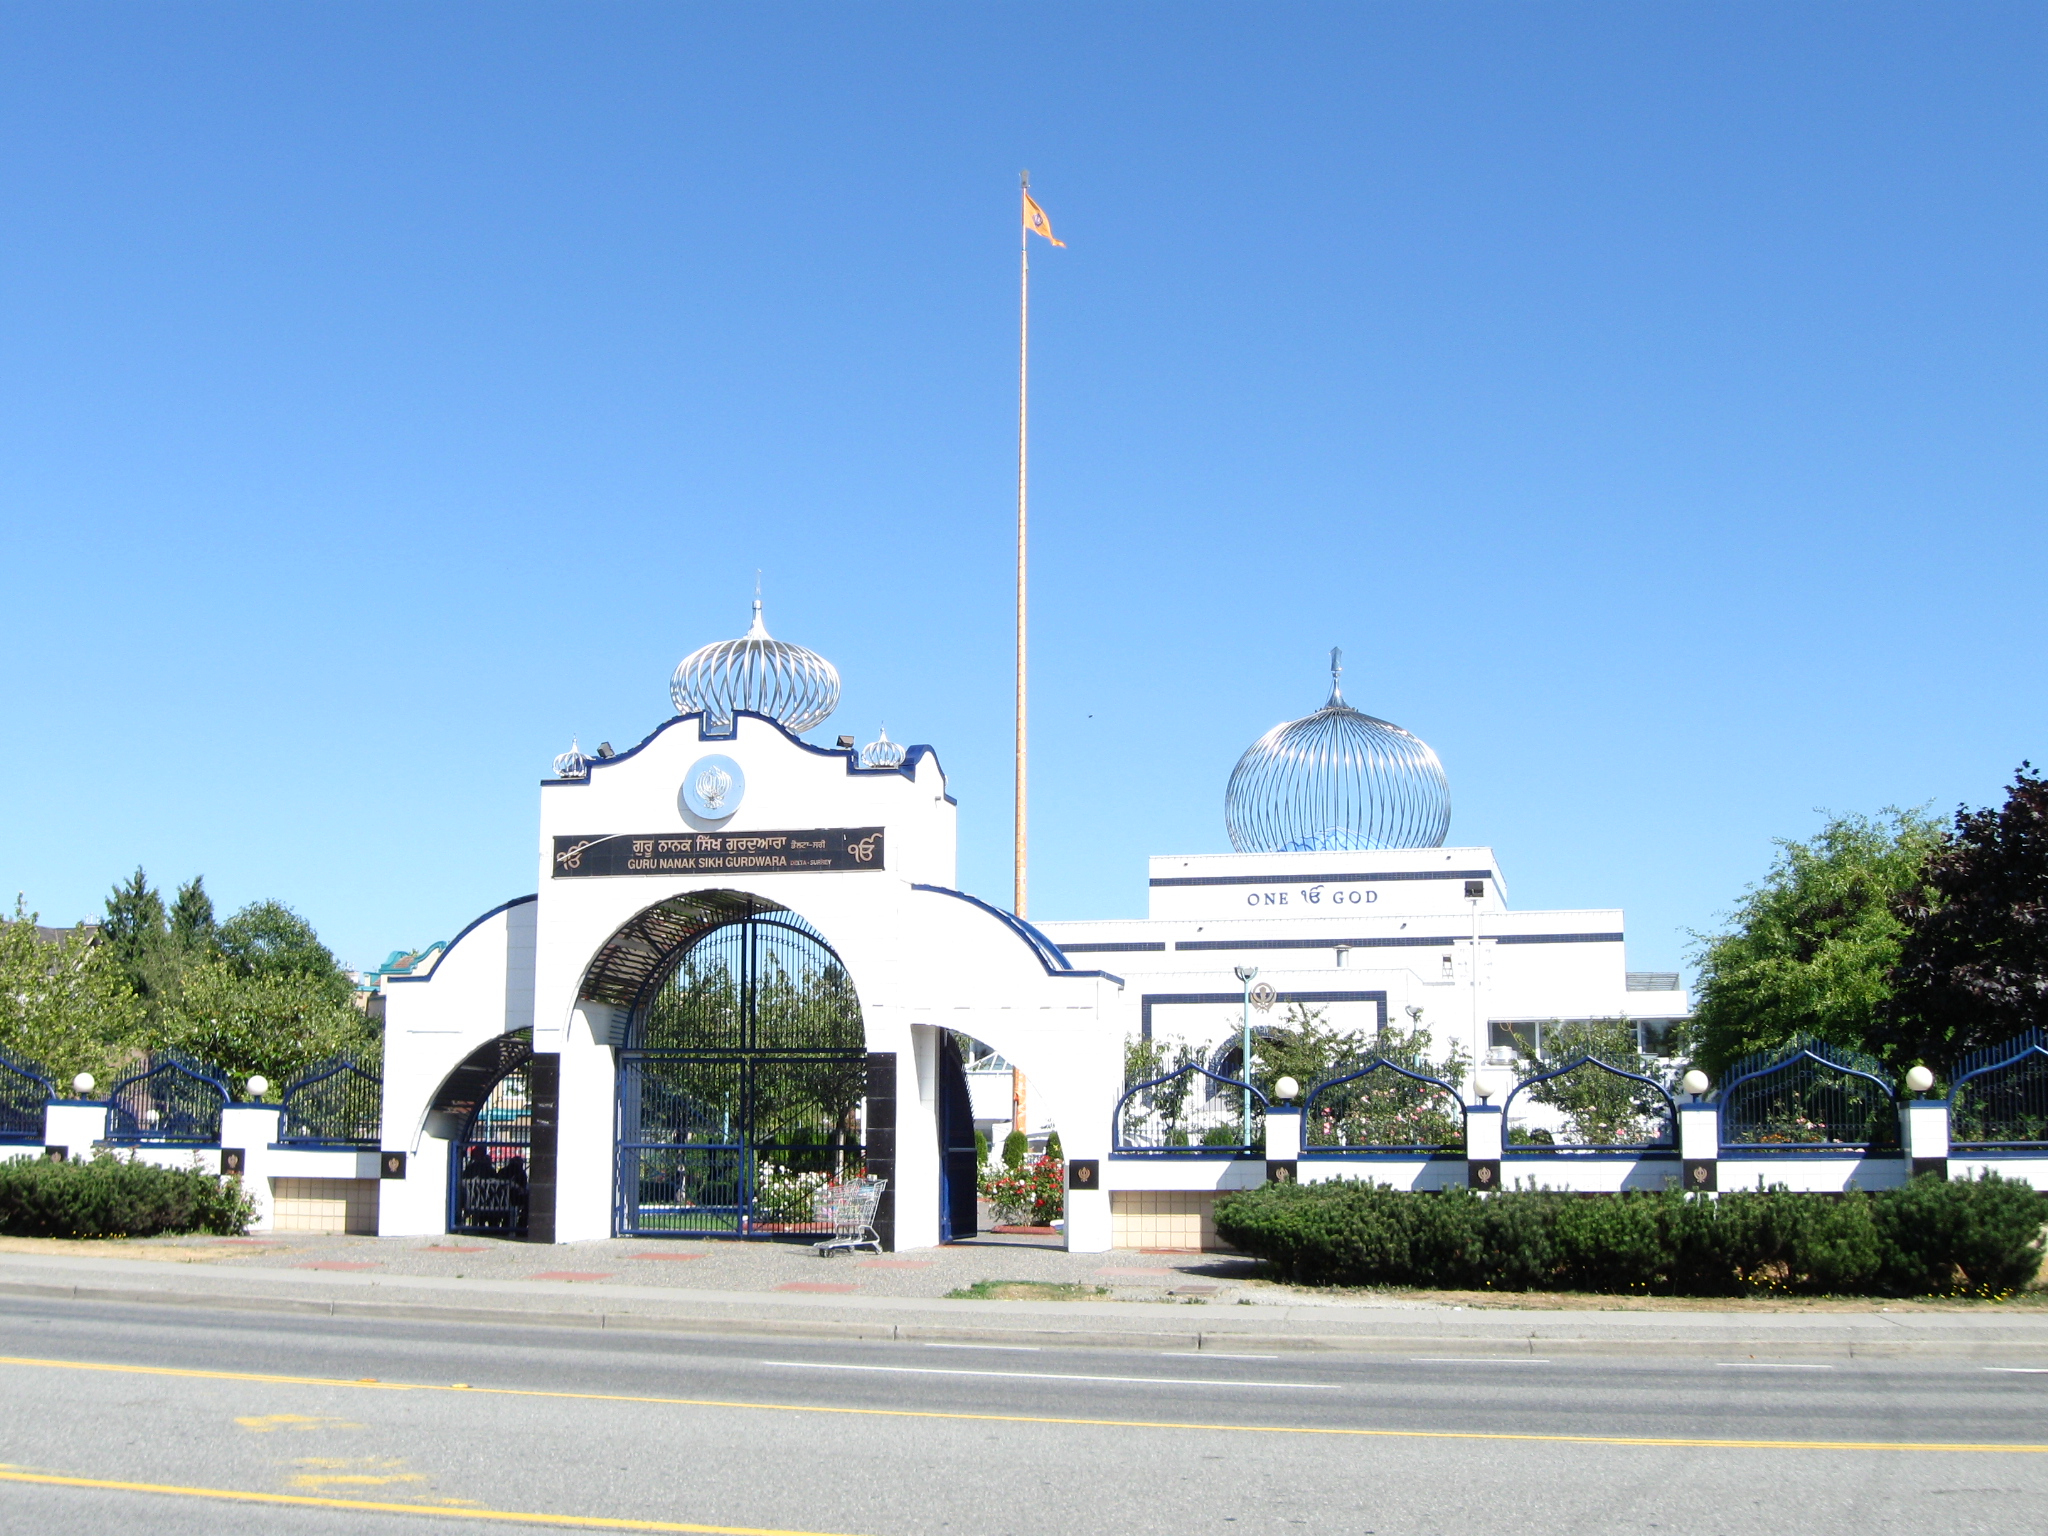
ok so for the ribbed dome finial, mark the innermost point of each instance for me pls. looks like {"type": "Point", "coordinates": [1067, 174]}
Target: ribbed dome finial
{"type": "Point", "coordinates": [788, 683]}
{"type": "Point", "coordinates": [1337, 779]}
{"type": "Point", "coordinates": [882, 752]}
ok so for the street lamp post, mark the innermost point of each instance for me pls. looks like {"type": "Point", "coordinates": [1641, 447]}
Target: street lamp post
{"type": "Point", "coordinates": [1247, 974]}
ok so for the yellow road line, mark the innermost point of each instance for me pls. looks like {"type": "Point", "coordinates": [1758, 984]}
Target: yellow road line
{"type": "Point", "coordinates": [446, 1511]}
{"type": "Point", "coordinates": [1671, 1441]}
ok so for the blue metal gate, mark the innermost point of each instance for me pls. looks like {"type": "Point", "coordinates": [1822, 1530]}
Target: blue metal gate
{"type": "Point", "coordinates": [740, 1083]}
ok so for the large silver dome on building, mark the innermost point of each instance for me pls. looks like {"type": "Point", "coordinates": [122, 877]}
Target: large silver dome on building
{"type": "Point", "coordinates": [785, 682]}
{"type": "Point", "coordinates": [1337, 779]}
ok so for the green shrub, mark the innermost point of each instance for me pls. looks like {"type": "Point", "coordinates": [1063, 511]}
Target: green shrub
{"type": "Point", "coordinates": [110, 1197]}
{"type": "Point", "coordinates": [981, 1149]}
{"type": "Point", "coordinates": [1978, 1237]}
{"type": "Point", "coordinates": [1052, 1145]}
{"type": "Point", "coordinates": [1016, 1147]}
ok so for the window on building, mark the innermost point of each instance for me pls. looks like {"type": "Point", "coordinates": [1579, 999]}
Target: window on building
{"type": "Point", "coordinates": [1504, 1035]}
{"type": "Point", "coordinates": [1658, 1037]}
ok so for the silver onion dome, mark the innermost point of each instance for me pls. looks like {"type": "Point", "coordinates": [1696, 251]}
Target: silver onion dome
{"type": "Point", "coordinates": [1337, 779]}
{"type": "Point", "coordinates": [882, 752]}
{"type": "Point", "coordinates": [572, 764]}
{"type": "Point", "coordinates": [785, 682]}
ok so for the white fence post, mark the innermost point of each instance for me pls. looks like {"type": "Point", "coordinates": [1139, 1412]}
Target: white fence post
{"type": "Point", "coordinates": [74, 1125]}
{"type": "Point", "coordinates": [251, 1129]}
{"type": "Point", "coordinates": [1699, 1144]}
{"type": "Point", "coordinates": [1925, 1127]}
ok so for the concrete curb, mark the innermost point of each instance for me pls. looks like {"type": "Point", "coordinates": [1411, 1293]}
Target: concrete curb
{"type": "Point", "coordinates": [1531, 1341]}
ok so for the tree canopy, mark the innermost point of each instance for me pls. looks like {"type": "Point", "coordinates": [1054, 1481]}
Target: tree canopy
{"type": "Point", "coordinates": [1973, 968]}
{"type": "Point", "coordinates": [1812, 947]}
{"type": "Point", "coordinates": [256, 994]}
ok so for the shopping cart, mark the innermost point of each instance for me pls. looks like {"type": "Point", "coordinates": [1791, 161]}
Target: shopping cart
{"type": "Point", "coordinates": [850, 1207]}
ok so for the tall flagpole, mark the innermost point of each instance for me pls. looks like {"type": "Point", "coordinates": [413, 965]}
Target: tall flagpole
{"type": "Point", "coordinates": [1023, 379]}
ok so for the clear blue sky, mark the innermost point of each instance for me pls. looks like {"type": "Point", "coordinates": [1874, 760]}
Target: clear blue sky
{"type": "Point", "coordinates": [1649, 399]}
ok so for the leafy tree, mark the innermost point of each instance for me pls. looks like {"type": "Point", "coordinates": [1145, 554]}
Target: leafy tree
{"type": "Point", "coordinates": [192, 930]}
{"type": "Point", "coordinates": [275, 1024]}
{"type": "Point", "coordinates": [1602, 1109]}
{"type": "Point", "coordinates": [137, 934]}
{"type": "Point", "coordinates": [1973, 970]}
{"type": "Point", "coordinates": [268, 939]}
{"type": "Point", "coordinates": [1384, 1108]}
{"type": "Point", "coordinates": [1149, 1060]}
{"type": "Point", "coordinates": [66, 1004]}
{"type": "Point", "coordinates": [1811, 949]}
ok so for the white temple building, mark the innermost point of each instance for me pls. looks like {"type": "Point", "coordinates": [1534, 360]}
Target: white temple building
{"type": "Point", "coordinates": [748, 973]}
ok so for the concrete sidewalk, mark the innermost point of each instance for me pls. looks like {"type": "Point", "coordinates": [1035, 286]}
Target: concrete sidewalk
{"type": "Point", "coordinates": [1231, 1313]}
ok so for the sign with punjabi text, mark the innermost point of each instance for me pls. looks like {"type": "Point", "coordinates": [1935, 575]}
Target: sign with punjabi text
{"type": "Point", "coordinates": [703, 853]}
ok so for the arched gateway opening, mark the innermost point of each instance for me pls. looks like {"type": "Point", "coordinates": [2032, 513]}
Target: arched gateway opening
{"type": "Point", "coordinates": [742, 1069]}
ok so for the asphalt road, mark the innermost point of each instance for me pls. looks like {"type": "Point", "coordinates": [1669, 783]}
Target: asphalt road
{"type": "Point", "coordinates": [616, 1431]}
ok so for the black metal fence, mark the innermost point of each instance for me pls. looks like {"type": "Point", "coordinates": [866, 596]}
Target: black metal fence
{"type": "Point", "coordinates": [1999, 1098]}
{"type": "Point", "coordinates": [25, 1093]}
{"type": "Point", "coordinates": [172, 1102]}
{"type": "Point", "coordinates": [1190, 1112]}
{"type": "Point", "coordinates": [1809, 1094]}
{"type": "Point", "coordinates": [1384, 1106]}
{"type": "Point", "coordinates": [339, 1103]}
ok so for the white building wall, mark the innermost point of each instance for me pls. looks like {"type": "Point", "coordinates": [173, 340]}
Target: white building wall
{"type": "Point", "coordinates": [479, 987]}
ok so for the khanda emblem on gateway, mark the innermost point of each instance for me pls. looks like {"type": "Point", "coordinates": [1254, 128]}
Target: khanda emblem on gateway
{"type": "Point", "coordinates": [713, 785]}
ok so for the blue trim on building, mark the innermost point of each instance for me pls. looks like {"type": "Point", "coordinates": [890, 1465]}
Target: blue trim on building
{"type": "Point", "coordinates": [851, 755]}
{"type": "Point", "coordinates": [449, 948]}
{"type": "Point", "coordinates": [1555, 938]}
{"type": "Point", "coordinates": [1433, 943]}
{"type": "Point", "coordinates": [1146, 1001]}
{"type": "Point", "coordinates": [1153, 947]}
{"type": "Point", "coordinates": [1388, 878]}
{"type": "Point", "coordinates": [1049, 953]}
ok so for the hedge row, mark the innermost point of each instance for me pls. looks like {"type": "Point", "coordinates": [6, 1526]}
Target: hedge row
{"type": "Point", "coordinates": [1932, 1237]}
{"type": "Point", "coordinates": [110, 1197]}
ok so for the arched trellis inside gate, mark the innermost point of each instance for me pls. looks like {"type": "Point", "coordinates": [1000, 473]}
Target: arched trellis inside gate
{"type": "Point", "coordinates": [1809, 1094]}
{"type": "Point", "coordinates": [1605, 1108]}
{"type": "Point", "coordinates": [1383, 1106]}
{"type": "Point", "coordinates": [1999, 1098]}
{"type": "Point", "coordinates": [172, 1102]}
{"type": "Point", "coordinates": [486, 1103]}
{"type": "Point", "coordinates": [742, 1068]}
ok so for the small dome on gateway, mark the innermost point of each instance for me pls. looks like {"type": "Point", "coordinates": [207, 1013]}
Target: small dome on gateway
{"type": "Point", "coordinates": [882, 752]}
{"type": "Point", "coordinates": [791, 685]}
{"type": "Point", "coordinates": [1337, 779]}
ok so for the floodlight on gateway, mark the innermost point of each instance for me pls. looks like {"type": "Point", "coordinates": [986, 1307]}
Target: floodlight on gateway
{"type": "Point", "coordinates": [1337, 779]}
{"type": "Point", "coordinates": [788, 683]}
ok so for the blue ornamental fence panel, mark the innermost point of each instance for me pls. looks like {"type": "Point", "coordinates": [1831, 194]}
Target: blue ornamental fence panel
{"type": "Point", "coordinates": [1604, 1108]}
{"type": "Point", "coordinates": [1190, 1112]}
{"type": "Point", "coordinates": [339, 1103]}
{"type": "Point", "coordinates": [1384, 1106]}
{"type": "Point", "coordinates": [171, 1103]}
{"type": "Point", "coordinates": [25, 1092]}
{"type": "Point", "coordinates": [1809, 1096]}
{"type": "Point", "coordinates": [1998, 1101]}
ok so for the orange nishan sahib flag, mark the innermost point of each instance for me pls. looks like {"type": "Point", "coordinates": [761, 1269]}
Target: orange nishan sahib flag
{"type": "Point", "coordinates": [1036, 221]}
